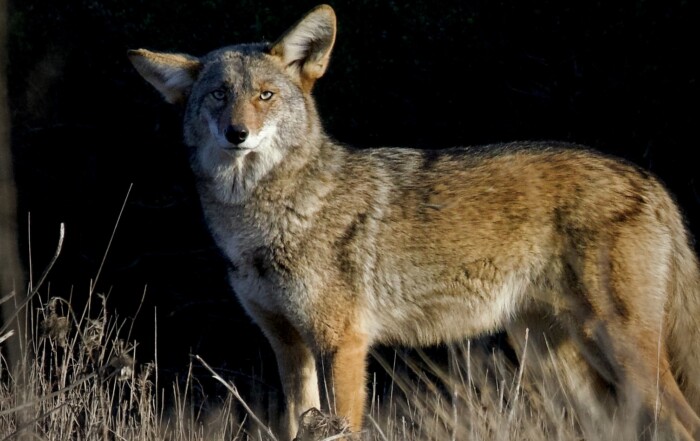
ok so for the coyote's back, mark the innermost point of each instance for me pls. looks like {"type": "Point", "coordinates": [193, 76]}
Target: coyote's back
{"type": "Point", "coordinates": [332, 249]}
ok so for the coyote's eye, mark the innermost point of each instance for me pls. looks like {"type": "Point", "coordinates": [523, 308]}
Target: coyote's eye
{"type": "Point", "coordinates": [219, 94]}
{"type": "Point", "coordinates": [266, 95]}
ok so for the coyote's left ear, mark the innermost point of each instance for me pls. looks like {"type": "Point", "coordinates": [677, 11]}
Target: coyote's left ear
{"type": "Point", "coordinates": [306, 47]}
{"type": "Point", "coordinates": [172, 74]}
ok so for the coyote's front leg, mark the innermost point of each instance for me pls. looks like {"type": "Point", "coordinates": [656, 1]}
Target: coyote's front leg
{"type": "Point", "coordinates": [297, 369]}
{"type": "Point", "coordinates": [346, 371]}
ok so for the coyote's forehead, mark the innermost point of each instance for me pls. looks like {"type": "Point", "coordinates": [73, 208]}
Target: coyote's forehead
{"type": "Point", "coordinates": [241, 67]}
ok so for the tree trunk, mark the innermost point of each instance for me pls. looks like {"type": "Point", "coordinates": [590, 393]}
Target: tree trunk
{"type": "Point", "coordinates": [12, 292]}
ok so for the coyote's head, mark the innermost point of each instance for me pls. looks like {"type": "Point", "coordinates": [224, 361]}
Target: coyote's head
{"type": "Point", "coordinates": [247, 105]}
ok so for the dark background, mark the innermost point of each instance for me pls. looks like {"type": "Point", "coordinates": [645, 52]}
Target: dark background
{"type": "Point", "coordinates": [618, 76]}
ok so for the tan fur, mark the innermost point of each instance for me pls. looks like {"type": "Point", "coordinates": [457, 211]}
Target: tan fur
{"type": "Point", "coordinates": [333, 249]}
{"type": "Point", "coordinates": [348, 377]}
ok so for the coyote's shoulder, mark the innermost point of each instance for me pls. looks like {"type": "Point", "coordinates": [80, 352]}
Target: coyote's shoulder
{"type": "Point", "coordinates": [333, 249]}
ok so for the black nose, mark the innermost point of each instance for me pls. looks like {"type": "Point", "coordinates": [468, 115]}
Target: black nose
{"type": "Point", "coordinates": [236, 134]}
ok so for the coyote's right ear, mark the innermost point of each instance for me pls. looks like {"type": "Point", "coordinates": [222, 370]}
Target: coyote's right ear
{"type": "Point", "coordinates": [306, 47]}
{"type": "Point", "coordinates": [172, 74]}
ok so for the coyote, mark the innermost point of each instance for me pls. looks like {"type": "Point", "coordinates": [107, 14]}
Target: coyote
{"type": "Point", "coordinates": [333, 249]}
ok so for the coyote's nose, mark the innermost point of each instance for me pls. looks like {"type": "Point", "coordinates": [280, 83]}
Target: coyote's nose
{"type": "Point", "coordinates": [236, 134]}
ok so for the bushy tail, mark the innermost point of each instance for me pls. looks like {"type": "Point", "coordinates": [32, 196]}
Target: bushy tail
{"type": "Point", "coordinates": [683, 319]}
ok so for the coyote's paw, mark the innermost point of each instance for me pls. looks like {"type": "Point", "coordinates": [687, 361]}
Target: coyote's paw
{"type": "Point", "coordinates": [315, 425]}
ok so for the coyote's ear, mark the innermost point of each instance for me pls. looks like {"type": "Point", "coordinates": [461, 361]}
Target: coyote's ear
{"type": "Point", "coordinates": [306, 47]}
{"type": "Point", "coordinates": [171, 74]}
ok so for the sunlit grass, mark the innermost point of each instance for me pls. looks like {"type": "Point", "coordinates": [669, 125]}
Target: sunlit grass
{"type": "Point", "coordinates": [83, 383]}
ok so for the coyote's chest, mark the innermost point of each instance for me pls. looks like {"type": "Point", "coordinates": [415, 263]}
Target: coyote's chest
{"type": "Point", "coordinates": [262, 267]}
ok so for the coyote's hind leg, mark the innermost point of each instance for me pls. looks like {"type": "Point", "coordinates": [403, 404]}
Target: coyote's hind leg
{"type": "Point", "coordinates": [623, 278]}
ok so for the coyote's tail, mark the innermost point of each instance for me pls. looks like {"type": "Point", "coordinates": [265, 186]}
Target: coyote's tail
{"type": "Point", "coordinates": [683, 313]}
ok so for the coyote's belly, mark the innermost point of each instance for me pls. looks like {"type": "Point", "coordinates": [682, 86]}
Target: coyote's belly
{"type": "Point", "coordinates": [429, 311]}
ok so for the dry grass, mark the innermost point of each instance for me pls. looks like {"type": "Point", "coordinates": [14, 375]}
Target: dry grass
{"type": "Point", "coordinates": [82, 385]}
